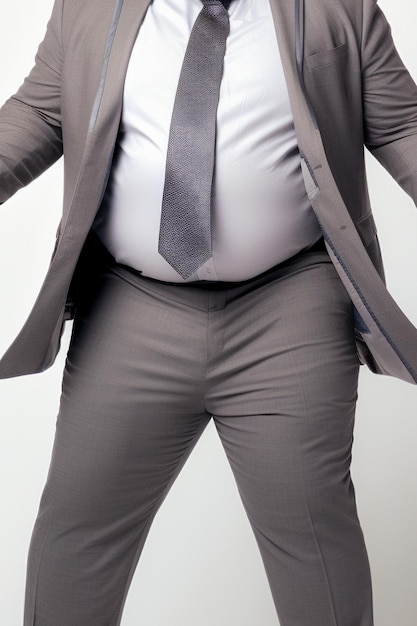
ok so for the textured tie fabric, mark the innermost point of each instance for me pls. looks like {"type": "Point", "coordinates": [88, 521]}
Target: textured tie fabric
{"type": "Point", "coordinates": [185, 230]}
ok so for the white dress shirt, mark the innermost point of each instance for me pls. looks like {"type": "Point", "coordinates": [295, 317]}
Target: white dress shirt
{"type": "Point", "coordinates": [260, 212]}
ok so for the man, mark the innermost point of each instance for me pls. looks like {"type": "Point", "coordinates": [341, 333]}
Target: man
{"type": "Point", "coordinates": [254, 326]}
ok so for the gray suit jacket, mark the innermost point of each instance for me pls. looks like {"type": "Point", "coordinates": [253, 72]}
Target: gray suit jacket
{"type": "Point", "coordinates": [347, 86]}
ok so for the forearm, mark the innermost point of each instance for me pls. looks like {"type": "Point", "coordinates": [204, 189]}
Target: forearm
{"type": "Point", "coordinates": [30, 121]}
{"type": "Point", "coordinates": [389, 102]}
{"type": "Point", "coordinates": [28, 146]}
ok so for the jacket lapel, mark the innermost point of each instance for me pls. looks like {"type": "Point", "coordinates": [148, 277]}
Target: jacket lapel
{"type": "Point", "coordinates": [105, 116]}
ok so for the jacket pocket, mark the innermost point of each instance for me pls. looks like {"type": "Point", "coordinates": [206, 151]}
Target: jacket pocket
{"type": "Point", "coordinates": [327, 57]}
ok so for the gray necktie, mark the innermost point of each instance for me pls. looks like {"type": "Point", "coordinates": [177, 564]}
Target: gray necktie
{"type": "Point", "coordinates": [185, 230]}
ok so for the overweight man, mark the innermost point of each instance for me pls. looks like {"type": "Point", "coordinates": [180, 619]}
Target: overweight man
{"type": "Point", "coordinates": [218, 254]}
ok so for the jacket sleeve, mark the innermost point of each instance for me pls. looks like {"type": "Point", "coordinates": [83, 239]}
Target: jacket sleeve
{"type": "Point", "coordinates": [30, 121]}
{"type": "Point", "coordinates": [389, 101]}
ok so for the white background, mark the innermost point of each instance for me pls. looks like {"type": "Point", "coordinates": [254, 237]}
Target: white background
{"type": "Point", "coordinates": [200, 564]}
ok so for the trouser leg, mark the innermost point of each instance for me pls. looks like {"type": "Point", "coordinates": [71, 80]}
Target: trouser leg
{"type": "Point", "coordinates": [275, 363]}
{"type": "Point", "coordinates": [284, 396]}
{"type": "Point", "coordinates": [131, 412]}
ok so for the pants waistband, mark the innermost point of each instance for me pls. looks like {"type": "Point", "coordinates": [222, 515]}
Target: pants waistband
{"type": "Point", "coordinates": [263, 278]}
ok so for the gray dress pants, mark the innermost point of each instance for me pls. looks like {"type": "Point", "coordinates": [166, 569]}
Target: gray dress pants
{"type": "Point", "coordinates": [273, 362]}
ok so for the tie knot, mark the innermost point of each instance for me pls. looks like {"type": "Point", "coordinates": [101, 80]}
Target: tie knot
{"type": "Point", "coordinates": [224, 3]}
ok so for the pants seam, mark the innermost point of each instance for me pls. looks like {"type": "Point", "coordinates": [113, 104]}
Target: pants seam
{"type": "Point", "coordinates": [336, 623]}
{"type": "Point", "coordinates": [332, 604]}
{"type": "Point", "coordinates": [135, 559]}
{"type": "Point", "coordinates": [32, 615]}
